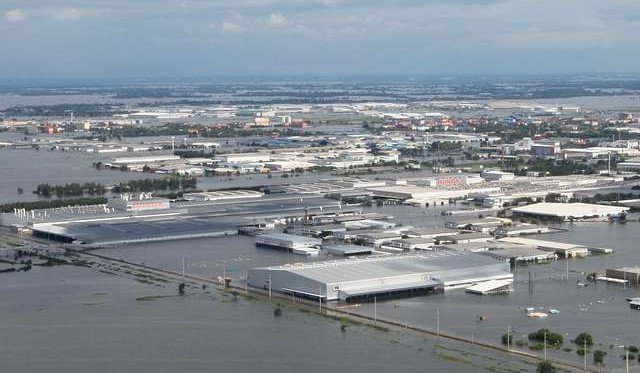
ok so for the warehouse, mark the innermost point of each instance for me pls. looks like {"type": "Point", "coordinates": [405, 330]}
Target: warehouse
{"type": "Point", "coordinates": [466, 238]}
{"type": "Point", "coordinates": [564, 250]}
{"type": "Point", "coordinates": [631, 274]}
{"type": "Point", "coordinates": [521, 254]}
{"type": "Point", "coordinates": [222, 195]}
{"type": "Point", "coordinates": [346, 250]}
{"type": "Point", "coordinates": [569, 211]}
{"type": "Point", "coordinates": [296, 244]}
{"type": "Point", "coordinates": [429, 232]}
{"type": "Point", "coordinates": [413, 243]}
{"type": "Point", "coordinates": [376, 239]}
{"type": "Point", "coordinates": [380, 276]}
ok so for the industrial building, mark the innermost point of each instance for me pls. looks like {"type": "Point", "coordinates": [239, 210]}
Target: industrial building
{"type": "Point", "coordinates": [497, 176]}
{"type": "Point", "coordinates": [222, 195]}
{"type": "Point", "coordinates": [346, 250]}
{"type": "Point", "coordinates": [466, 238]}
{"type": "Point", "coordinates": [413, 243]}
{"type": "Point", "coordinates": [430, 232]}
{"type": "Point", "coordinates": [491, 287]}
{"type": "Point", "coordinates": [380, 276]}
{"type": "Point", "coordinates": [630, 274]}
{"type": "Point", "coordinates": [564, 250]}
{"type": "Point", "coordinates": [569, 211]}
{"type": "Point", "coordinates": [295, 244]}
{"type": "Point", "coordinates": [144, 202]}
{"type": "Point", "coordinates": [521, 254]}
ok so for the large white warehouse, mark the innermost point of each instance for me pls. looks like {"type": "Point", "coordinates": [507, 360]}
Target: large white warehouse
{"type": "Point", "coordinates": [380, 276]}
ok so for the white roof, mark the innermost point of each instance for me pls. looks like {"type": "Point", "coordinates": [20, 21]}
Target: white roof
{"type": "Point", "coordinates": [542, 243]}
{"type": "Point", "coordinates": [488, 286]}
{"type": "Point", "coordinates": [577, 210]}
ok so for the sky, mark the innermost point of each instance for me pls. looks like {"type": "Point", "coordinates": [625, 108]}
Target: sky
{"type": "Point", "coordinates": [58, 39]}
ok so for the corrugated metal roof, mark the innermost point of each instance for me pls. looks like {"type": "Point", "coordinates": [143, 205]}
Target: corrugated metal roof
{"type": "Point", "coordinates": [488, 286]}
{"type": "Point", "coordinates": [388, 266]}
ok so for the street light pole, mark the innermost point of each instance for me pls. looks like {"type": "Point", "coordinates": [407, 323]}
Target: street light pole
{"type": "Point", "coordinates": [585, 354]}
{"type": "Point", "coordinates": [627, 358]}
{"type": "Point", "coordinates": [438, 322]}
{"type": "Point", "coordinates": [375, 309]}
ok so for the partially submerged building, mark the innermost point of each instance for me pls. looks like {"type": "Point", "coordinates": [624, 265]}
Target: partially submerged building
{"type": "Point", "coordinates": [630, 274]}
{"type": "Point", "coordinates": [569, 211]}
{"type": "Point", "coordinates": [564, 250]}
{"type": "Point", "coordinates": [380, 276]}
{"type": "Point", "coordinates": [296, 244]}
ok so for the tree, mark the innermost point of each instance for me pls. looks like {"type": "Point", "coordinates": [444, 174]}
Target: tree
{"type": "Point", "coordinates": [582, 338]}
{"type": "Point", "coordinates": [545, 367]}
{"type": "Point", "coordinates": [598, 356]}
{"type": "Point", "coordinates": [553, 339]}
{"type": "Point", "coordinates": [507, 340]}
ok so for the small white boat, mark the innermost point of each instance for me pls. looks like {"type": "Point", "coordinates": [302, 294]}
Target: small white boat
{"type": "Point", "coordinates": [530, 309]}
{"type": "Point", "coordinates": [537, 314]}
{"type": "Point", "coordinates": [554, 311]}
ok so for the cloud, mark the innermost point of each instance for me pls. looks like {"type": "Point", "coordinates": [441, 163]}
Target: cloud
{"type": "Point", "coordinates": [15, 15]}
{"type": "Point", "coordinates": [69, 14]}
{"type": "Point", "coordinates": [277, 20]}
{"type": "Point", "coordinates": [231, 28]}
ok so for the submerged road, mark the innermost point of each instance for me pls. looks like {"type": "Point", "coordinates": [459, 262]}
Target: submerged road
{"type": "Point", "coordinates": [157, 276]}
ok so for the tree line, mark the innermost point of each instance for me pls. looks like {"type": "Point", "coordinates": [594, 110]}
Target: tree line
{"type": "Point", "coordinates": [97, 189]}
{"type": "Point", "coordinates": [54, 203]}
{"type": "Point", "coordinates": [70, 190]}
{"type": "Point", "coordinates": [150, 185]}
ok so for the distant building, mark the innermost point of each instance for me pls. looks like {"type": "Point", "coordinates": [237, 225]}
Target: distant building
{"type": "Point", "coordinates": [497, 176]}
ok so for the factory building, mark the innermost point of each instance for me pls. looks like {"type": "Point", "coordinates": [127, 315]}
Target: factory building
{"type": "Point", "coordinates": [380, 276]}
{"type": "Point", "coordinates": [346, 250]}
{"type": "Point", "coordinates": [497, 176]}
{"type": "Point", "coordinates": [295, 244]}
{"type": "Point", "coordinates": [569, 211]}
{"type": "Point", "coordinates": [630, 274]}
{"type": "Point", "coordinates": [222, 195]}
{"type": "Point", "coordinates": [143, 202]}
{"type": "Point", "coordinates": [521, 254]}
{"type": "Point", "coordinates": [564, 250]}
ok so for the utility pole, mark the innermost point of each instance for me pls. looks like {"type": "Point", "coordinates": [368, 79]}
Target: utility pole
{"type": "Point", "coordinates": [269, 286]}
{"type": "Point", "coordinates": [438, 322]}
{"type": "Point", "coordinates": [585, 354]}
{"type": "Point", "coordinates": [375, 309]}
{"type": "Point", "coordinates": [320, 297]}
{"type": "Point", "coordinates": [627, 357]}
{"type": "Point", "coordinates": [545, 345]}
{"type": "Point", "coordinates": [508, 337]}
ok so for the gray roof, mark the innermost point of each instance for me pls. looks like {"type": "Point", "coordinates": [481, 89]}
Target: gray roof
{"type": "Point", "coordinates": [285, 237]}
{"type": "Point", "coordinates": [346, 249]}
{"type": "Point", "coordinates": [388, 266]}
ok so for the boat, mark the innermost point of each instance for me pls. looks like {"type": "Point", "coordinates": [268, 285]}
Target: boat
{"type": "Point", "coordinates": [530, 309]}
{"type": "Point", "coordinates": [554, 311]}
{"type": "Point", "coordinates": [537, 314]}
{"type": "Point", "coordinates": [580, 283]}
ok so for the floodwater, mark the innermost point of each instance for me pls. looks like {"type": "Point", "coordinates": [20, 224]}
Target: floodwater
{"type": "Point", "coordinates": [71, 319]}
{"type": "Point", "coordinates": [26, 168]}
{"type": "Point", "coordinates": [599, 309]}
